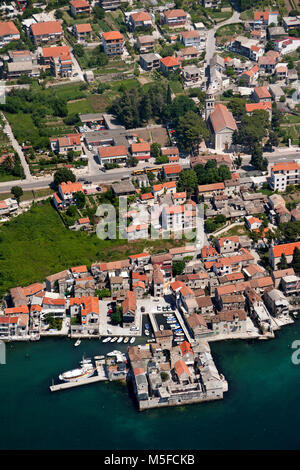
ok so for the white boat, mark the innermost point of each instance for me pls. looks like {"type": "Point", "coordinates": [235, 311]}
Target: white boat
{"type": "Point", "coordinates": [147, 332]}
{"type": "Point", "coordinates": [120, 339]}
{"type": "Point", "coordinates": [132, 340]}
{"type": "Point", "coordinates": [75, 375]}
{"type": "Point", "coordinates": [77, 343]}
{"type": "Point", "coordinates": [106, 340]}
{"type": "Point", "coordinates": [114, 339]}
{"type": "Point", "coordinates": [161, 327]}
{"type": "Point", "coordinates": [126, 339]}
{"type": "Point", "coordinates": [179, 334]}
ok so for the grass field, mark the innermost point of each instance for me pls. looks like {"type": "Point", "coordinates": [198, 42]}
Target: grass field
{"type": "Point", "coordinates": [37, 244]}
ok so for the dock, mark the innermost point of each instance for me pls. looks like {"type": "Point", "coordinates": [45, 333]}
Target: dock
{"type": "Point", "coordinates": [153, 322]}
{"type": "Point", "coordinates": [99, 377]}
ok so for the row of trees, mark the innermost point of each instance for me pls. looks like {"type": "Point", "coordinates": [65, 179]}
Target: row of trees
{"type": "Point", "coordinates": [295, 264]}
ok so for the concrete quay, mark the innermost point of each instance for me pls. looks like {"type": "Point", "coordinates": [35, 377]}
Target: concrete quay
{"type": "Point", "coordinates": [100, 377]}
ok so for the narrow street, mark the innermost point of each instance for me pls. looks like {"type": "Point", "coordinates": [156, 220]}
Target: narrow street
{"type": "Point", "coordinates": [211, 39]}
{"type": "Point", "coordinates": [8, 131]}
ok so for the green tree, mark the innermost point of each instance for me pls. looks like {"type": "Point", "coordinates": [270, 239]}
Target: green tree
{"type": "Point", "coordinates": [17, 192]}
{"type": "Point", "coordinates": [132, 161]}
{"type": "Point", "coordinates": [155, 150]}
{"type": "Point", "coordinates": [283, 262]}
{"type": "Point", "coordinates": [80, 199]}
{"type": "Point", "coordinates": [191, 130]}
{"type": "Point", "coordinates": [296, 260]}
{"type": "Point", "coordinates": [257, 159]}
{"type": "Point", "coordinates": [116, 317]}
{"type": "Point", "coordinates": [178, 267]}
{"type": "Point", "coordinates": [63, 175]}
{"type": "Point", "coordinates": [187, 181]}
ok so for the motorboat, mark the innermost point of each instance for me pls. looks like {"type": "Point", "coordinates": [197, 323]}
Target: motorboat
{"type": "Point", "coordinates": [120, 339]}
{"type": "Point", "coordinates": [147, 333]}
{"type": "Point", "coordinates": [114, 339]}
{"type": "Point", "coordinates": [161, 327]}
{"type": "Point", "coordinates": [126, 339]}
{"type": "Point", "coordinates": [106, 340]}
{"type": "Point", "coordinates": [86, 370]}
{"type": "Point", "coordinates": [179, 334]}
{"type": "Point", "coordinates": [132, 340]}
{"type": "Point", "coordinates": [77, 343]}
{"type": "Point", "coordinates": [147, 326]}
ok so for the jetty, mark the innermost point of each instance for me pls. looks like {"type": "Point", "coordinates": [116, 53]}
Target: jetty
{"type": "Point", "coordinates": [100, 376]}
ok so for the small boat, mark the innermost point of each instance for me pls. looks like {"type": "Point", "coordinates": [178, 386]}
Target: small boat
{"type": "Point", "coordinates": [114, 339]}
{"type": "Point", "coordinates": [179, 334]}
{"type": "Point", "coordinates": [77, 343]}
{"type": "Point", "coordinates": [120, 339]}
{"type": "Point", "coordinates": [106, 340]}
{"type": "Point", "coordinates": [147, 332]}
{"type": "Point", "coordinates": [161, 327]}
{"type": "Point", "coordinates": [126, 339]}
{"type": "Point", "coordinates": [147, 326]}
{"type": "Point", "coordinates": [98, 358]}
{"type": "Point", "coordinates": [86, 370]}
{"type": "Point", "coordinates": [132, 340]}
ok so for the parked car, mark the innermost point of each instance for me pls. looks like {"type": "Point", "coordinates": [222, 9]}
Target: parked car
{"type": "Point", "coordinates": [142, 309]}
{"type": "Point", "coordinates": [98, 188]}
{"type": "Point", "coordinates": [85, 191]}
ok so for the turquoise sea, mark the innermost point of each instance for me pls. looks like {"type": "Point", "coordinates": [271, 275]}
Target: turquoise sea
{"type": "Point", "coordinates": [260, 411]}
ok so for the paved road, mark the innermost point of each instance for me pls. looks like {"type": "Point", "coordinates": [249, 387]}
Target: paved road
{"type": "Point", "coordinates": [211, 40]}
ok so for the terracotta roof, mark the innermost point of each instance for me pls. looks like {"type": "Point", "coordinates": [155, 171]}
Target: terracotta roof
{"type": "Point", "coordinates": [185, 348]}
{"type": "Point", "coordinates": [146, 196]}
{"type": "Point", "coordinates": [79, 3]}
{"type": "Point", "coordinates": [113, 151]}
{"type": "Point", "coordinates": [181, 368]}
{"type": "Point", "coordinates": [70, 187]}
{"type": "Point", "coordinates": [140, 147]}
{"type": "Point", "coordinates": [287, 249]}
{"type": "Point", "coordinates": [264, 14]}
{"type": "Point", "coordinates": [16, 310]}
{"type": "Point", "coordinates": [140, 16]}
{"type": "Point", "coordinates": [84, 220]}
{"type": "Point", "coordinates": [170, 61]}
{"type": "Point", "coordinates": [250, 107]}
{"type": "Point", "coordinates": [170, 151]}
{"type": "Point", "coordinates": [262, 92]}
{"type": "Point", "coordinates": [140, 255]}
{"type": "Point", "coordinates": [221, 118]}
{"type": "Point", "coordinates": [190, 34]}
{"type": "Point", "coordinates": [112, 35]}
{"type": "Point", "coordinates": [8, 28]}
{"type": "Point", "coordinates": [33, 289]}
{"type": "Point", "coordinates": [174, 13]}
{"type": "Point", "coordinates": [172, 169]}
{"type": "Point", "coordinates": [129, 303]}
{"type": "Point", "coordinates": [83, 28]}
{"type": "Point", "coordinates": [47, 27]}
{"type": "Point", "coordinates": [50, 301]}
{"type": "Point", "coordinates": [210, 187]}
{"type": "Point", "coordinates": [79, 269]}
{"type": "Point", "coordinates": [286, 166]}
{"type": "Point", "coordinates": [195, 320]}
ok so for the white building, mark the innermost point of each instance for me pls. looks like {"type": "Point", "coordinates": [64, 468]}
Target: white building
{"type": "Point", "coordinates": [284, 174]}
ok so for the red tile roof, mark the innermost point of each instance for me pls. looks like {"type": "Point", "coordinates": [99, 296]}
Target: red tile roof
{"type": "Point", "coordinates": [8, 28]}
{"type": "Point", "coordinates": [113, 151]}
{"type": "Point", "coordinates": [221, 118]}
{"type": "Point", "coordinates": [170, 61]}
{"type": "Point", "coordinates": [112, 35]}
{"type": "Point", "coordinates": [47, 27]}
